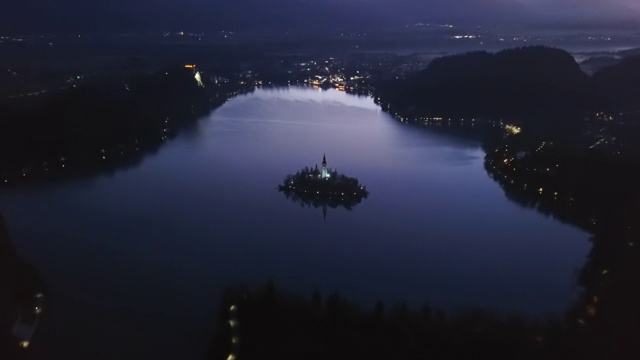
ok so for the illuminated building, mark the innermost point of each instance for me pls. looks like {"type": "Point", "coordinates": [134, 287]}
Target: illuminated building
{"type": "Point", "coordinates": [198, 78]}
{"type": "Point", "coordinates": [325, 172]}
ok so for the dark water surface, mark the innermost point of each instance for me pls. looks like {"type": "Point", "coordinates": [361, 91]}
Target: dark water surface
{"type": "Point", "coordinates": [135, 263]}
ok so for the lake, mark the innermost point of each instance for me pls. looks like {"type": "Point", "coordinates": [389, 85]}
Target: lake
{"type": "Point", "coordinates": [135, 262]}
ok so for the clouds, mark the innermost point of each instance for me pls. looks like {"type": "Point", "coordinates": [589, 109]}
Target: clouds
{"type": "Point", "coordinates": [304, 15]}
{"type": "Point", "coordinates": [584, 9]}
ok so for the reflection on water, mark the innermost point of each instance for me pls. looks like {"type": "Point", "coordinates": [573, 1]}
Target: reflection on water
{"type": "Point", "coordinates": [134, 256]}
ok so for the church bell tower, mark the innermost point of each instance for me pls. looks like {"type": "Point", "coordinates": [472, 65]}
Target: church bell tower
{"type": "Point", "coordinates": [325, 171]}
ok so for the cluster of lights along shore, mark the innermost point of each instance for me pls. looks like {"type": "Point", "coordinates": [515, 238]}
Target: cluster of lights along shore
{"type": "Point", "coordinates": [506, 163]}
{"type": "Point", "coordinates": [503, 161]}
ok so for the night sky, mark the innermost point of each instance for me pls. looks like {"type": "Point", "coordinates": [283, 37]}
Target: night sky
{"type": "Point", "coordinates": [298, 15]}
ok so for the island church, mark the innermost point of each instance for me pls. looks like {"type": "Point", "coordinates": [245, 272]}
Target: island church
{"type": "Point", "coordinates": [325, 173]}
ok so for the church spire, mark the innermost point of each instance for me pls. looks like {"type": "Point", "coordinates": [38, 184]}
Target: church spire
{"type": "Point", "coordinates": [325, 171]}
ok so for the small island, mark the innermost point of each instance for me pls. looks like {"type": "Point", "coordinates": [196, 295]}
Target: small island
{"type": "Point", "coordinates": [323, 188]}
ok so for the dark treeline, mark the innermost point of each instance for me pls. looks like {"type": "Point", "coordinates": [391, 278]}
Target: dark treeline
{"type": "Point", "coordinates": [271, 323]}
{"type": "Point", "coordinates": [21, 299]}
{"type": "Point", "coordinates": [100, 125]}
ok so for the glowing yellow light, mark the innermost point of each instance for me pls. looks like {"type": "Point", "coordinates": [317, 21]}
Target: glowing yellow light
{"type": "Point", "coordinates": [231, 357]}
{"type": "Point", "coordinates": [24, 344]}
{"type": "Point", "coordinates": [512, 129]}
{"type": "Point", "coordinates": [190, 66]}
{"type": "Point", "coordinates": [198, 78]}
{"type": "Point", "coordinates": [233, 307]}
{"type": "Point", "coordinates": [235, 340]}
{"type": "Point", "coordinates": [541, 190]}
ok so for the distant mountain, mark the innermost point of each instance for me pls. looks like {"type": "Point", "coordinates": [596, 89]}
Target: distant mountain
{"type": "Point", "coordinates": [596, 63]}
{"type": "Point", "coordinates": [529, 64]}
{"type": "Point", "coordinates": [542, 87]}
{"type": "Point", "coordinates": [516, 82]}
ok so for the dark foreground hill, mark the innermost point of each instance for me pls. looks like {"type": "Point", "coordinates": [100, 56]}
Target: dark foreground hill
{"type": "Point", "coordinates": [620, 83]}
